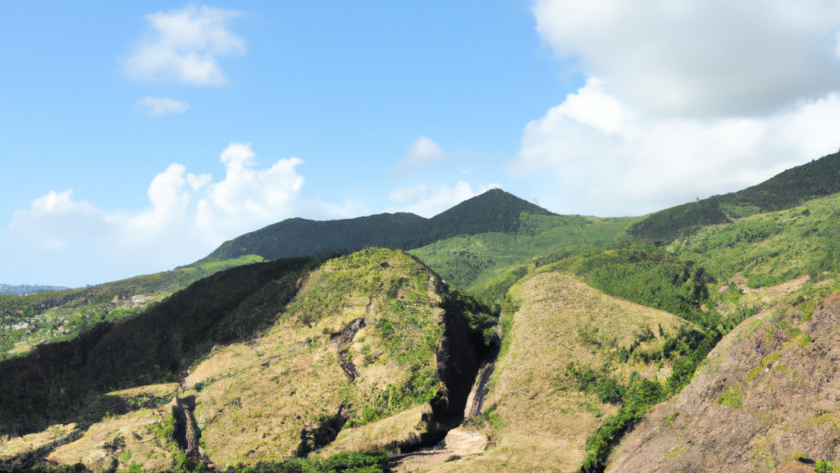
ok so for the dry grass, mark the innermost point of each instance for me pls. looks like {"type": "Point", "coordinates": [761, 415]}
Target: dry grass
{"type": "Point", "coordinates": [10, 447]}
{"type": "Point", "coordinates": [404, 427]}
{"type": "Point", "coordinates": [254, 399]}
{"type": "Point", "coordinates": [136, 431]}
{"type": "Point", "coordinates": [541, 425]}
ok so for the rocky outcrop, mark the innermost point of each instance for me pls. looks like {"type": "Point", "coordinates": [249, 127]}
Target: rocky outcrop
{"type": "Point", "coordinates": [766, 400]}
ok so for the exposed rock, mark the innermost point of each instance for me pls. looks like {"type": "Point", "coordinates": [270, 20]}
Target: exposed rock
{"type": "Point", "coordinates": [766, 397]}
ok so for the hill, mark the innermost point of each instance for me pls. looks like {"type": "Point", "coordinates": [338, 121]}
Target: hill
{"type": "Point", "coordinates": [765, 400]}
{"type": "Point", "coordinates": [493, 211]}
{"type": "Point", "coordinates": [487, 264]}
{"type": "Point", "coordinates": [52, 316]}
{"type": "Point", "coordinates": [559, 375]}
{"type": "Point", "coordinates": [791, 188]}
{"type": "Point", "coordinates": [262, 363]}
{"type": "Point", "coordinates": [771, 248]}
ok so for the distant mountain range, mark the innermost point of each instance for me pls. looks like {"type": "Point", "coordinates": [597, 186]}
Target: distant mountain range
{"type": "Point", "coordinates": [27, 289]}
{"type": "Point", "coordinates": [493, 211]}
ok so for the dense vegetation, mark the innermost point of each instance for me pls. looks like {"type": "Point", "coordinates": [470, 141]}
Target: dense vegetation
{"type": "Point", "coordinates": [51, 384]}
{"type": "Point", "coordinates": [791, 188]}
{"type": "Point", "coordinates": [771, 248]}
{"type": "Point", "coordinates": [493, 211]}
{"type": "Point", "coordinates": [487, 265]}
{"type": "Point", "coordinates": [63, 315]}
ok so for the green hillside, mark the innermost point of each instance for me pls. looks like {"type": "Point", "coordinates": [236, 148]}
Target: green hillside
{"type": "Point", "coordinates": [791, 188]}
{"type": "Point", "coordinates": [493, 211]}
{"type": "Point", "coordinates": [486, 265]}
{"type": "Point", "coordinates": [52, 383]}
{"type": "Point", "coordinates": [62, 315]}
{"type": "Point", "coordinates": [770, 248]}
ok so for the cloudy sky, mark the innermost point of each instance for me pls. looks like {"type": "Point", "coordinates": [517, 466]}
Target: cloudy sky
{"type": "Point", "coordinates": [136, 137]}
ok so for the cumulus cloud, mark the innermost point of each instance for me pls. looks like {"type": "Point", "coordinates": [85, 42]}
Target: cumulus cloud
{"type": "Point", "coordinates": [612, 160]}
{"type": "Point", "coordinates": [428, 201]}
{"type": "Point", "coordinates": [159, 106]}
{"type": "Point", "coordinates": [188, 215]}
{"type": "Point", "coordinates": [422, 152]}
{"type": "Point", "coordinates": [182, 46]}
{"type": "Point", "coordinates": [682, 99]}
{"type": "Point", "coordinates": [700, 57]}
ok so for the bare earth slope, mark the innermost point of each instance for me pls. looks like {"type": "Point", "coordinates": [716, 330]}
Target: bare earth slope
{"type": "Point", "coordinates": [535, 419]}
{"type": "Point", "coordinates": [766, 400]}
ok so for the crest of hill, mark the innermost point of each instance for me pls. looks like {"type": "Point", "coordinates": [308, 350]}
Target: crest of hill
{"type": "Point", "coordinates": [493, 211]}
{"type": "Point", "coordinates": [788, 189]}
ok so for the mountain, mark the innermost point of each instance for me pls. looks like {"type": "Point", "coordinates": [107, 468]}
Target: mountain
{"type": "Point", "coordinates": [493, 211]}
{"type": "Point", "coordinates": [791, 188]}
{"type": "Point", "coordinates": [713, 351]}
{"type": "Point", "coordinates": [27, 289]}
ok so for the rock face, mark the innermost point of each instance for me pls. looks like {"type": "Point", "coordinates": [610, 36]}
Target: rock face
{"type": "Point", "coordinates": [766, 400]}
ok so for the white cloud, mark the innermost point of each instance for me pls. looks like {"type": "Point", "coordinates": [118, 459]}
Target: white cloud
{"type": "Point", "coordinates": [622, 163]}
{"type": "Point", "coordinates": [182, 45]}
{"type": "Point", "coordinates": [159, 106]}
{"type": "Point", "coordinates": [72, 242]}
{"type": "Point", "coordinates": [700, 57]}
{"type": "Point", "coordinates": [422, 152]}
{"type": "Point", "coordinates": [683, 99]}
{"type": "Point", "coordinates": [427, 201]}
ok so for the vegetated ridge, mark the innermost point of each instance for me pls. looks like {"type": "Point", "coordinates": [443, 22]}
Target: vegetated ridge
{"type": "Point", "coordinates": [53, 316]}
{"type": "Point", "coordinates": [791, 188]}
{"type": "Point", "coordinates": [493, 211]}
{"type": "Point", "coordinates": [27, 289]}
{"type": "Point", "coordinates": [368, 351]}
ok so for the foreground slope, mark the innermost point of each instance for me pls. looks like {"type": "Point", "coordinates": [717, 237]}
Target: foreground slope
{"type": "Point", "coordinates": [493, 211]}
{"type": "Point", "coordinates": [535, 412]}
{"type": "Point", "coordinates": [766, 400]}
{"type": "Point", "coordinates": [368, 351]}
{"type": "Point", "coordinates": [791, 188]}
{"type": "Point", "coordinates": [56, 382]}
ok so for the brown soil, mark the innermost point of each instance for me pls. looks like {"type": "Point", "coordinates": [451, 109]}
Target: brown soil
{"type": "Point", "coordinates": [765, 400]}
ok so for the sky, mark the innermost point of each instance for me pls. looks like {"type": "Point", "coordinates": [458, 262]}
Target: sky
{"type": "Point", "coordinates": [138, 136]}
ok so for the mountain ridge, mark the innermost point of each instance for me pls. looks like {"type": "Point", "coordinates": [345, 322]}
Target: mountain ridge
{"type": "Point", "coordinates": [492, 211]}
{"type": "Point", "coordinates": [790, 188]}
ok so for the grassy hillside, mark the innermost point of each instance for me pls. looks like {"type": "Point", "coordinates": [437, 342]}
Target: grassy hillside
{"type": "Point", "coordinates": [487, 265]}
{"type": "Point", "coordinates": [773, 381]}
{"type": "Point", "coordinates": [48, 317]}
{"type": "Point", "coordinates": [357, 351]}
{"type": "Point", "coordinates": [791, 188]}
{"type": "Point", "coordinates": [272, 361]}
{"type": "Point", "coordinates": [562, 373]}
{"type": "Point", "coordinates": [54, 382]}
{"type": "Point", "coordinates": [771, 248]}
{"type": "Point", "coordinates": [493, 211]}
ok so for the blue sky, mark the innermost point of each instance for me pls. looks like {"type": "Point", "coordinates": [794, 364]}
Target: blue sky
{"type": "Point", "coordinates": [179, 125]}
